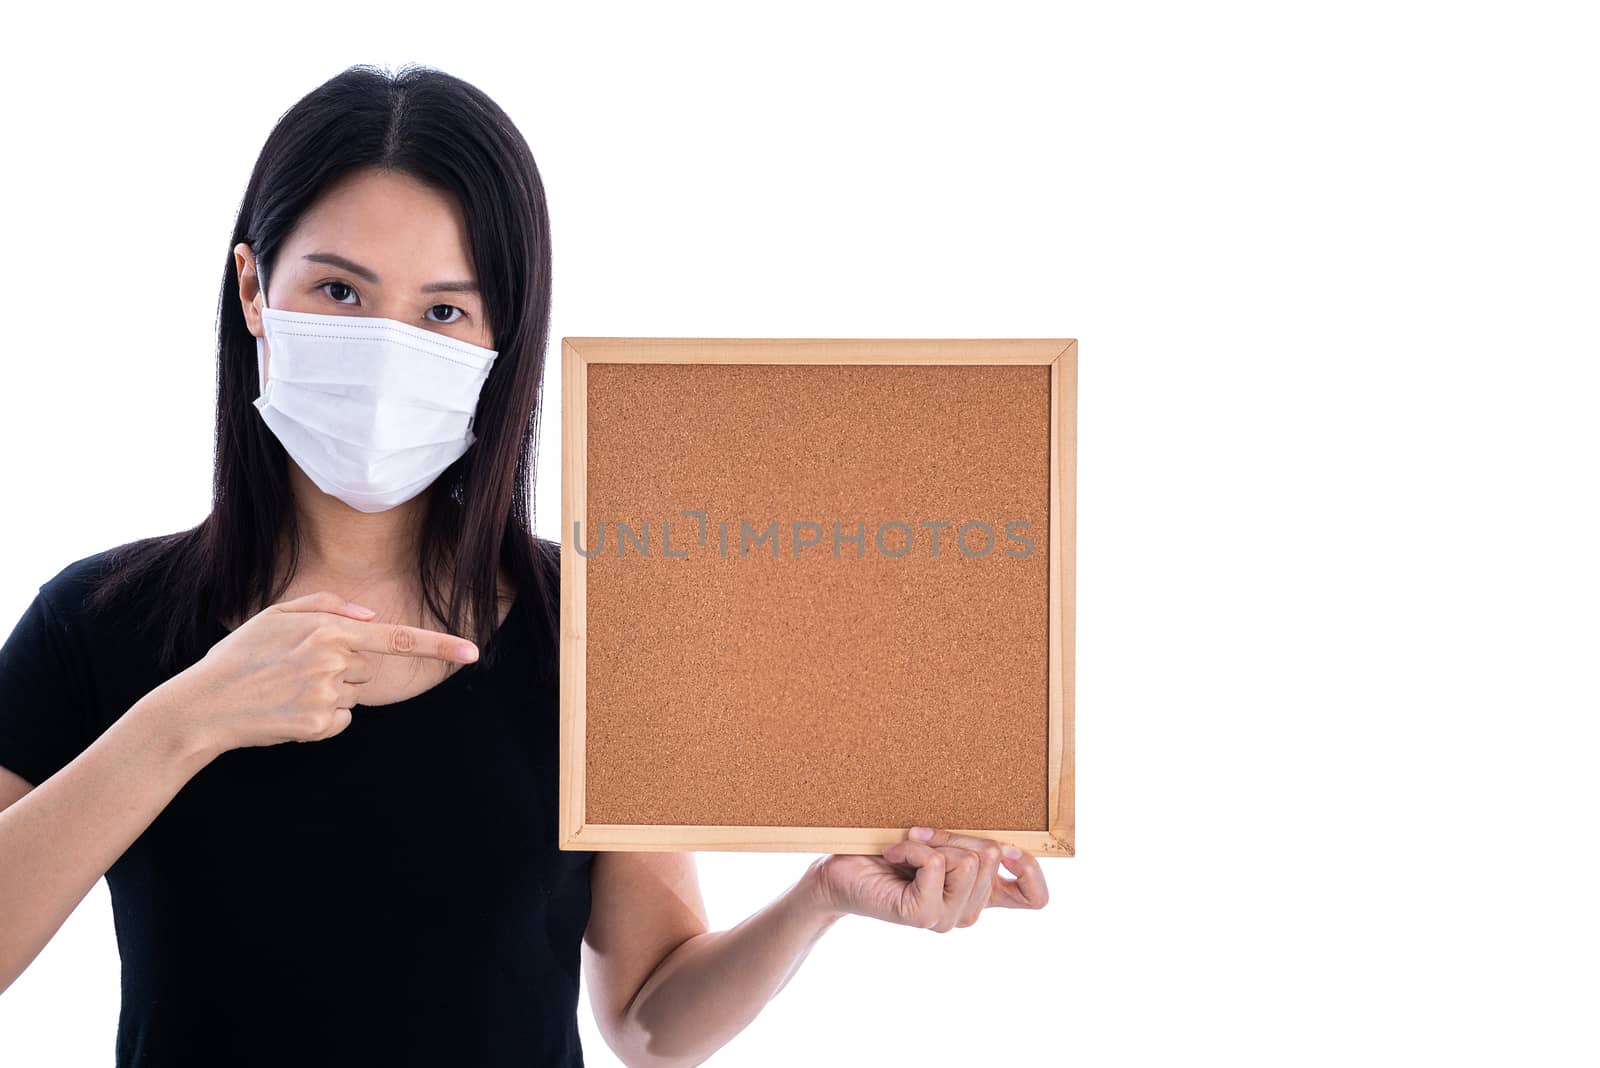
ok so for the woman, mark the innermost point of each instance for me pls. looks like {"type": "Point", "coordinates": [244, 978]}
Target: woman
{"type": "Point", "coordinates": [391, 893]}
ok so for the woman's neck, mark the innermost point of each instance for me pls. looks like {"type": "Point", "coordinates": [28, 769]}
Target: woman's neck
{"type": "Point", "coordinates": [357, 549]}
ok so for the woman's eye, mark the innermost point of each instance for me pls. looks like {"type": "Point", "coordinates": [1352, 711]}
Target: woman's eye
{"type": "Point", "coordinates": [338, 286]}
{"type": "Point", "coordinates": [340, 291]}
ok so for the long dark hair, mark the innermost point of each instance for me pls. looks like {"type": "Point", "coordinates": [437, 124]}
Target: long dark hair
{"type": "Point", "coordinates": [446, 133]}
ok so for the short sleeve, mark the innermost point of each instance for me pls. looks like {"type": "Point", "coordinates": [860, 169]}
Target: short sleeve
{"type": "Point", "coordinates": [44, 713]}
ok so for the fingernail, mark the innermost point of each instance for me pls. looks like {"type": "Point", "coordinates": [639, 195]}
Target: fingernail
{"type": "Point", "coordinates": [1011, 852]}
{"type": "Point", "coordinates": [467, 651]}
{"type": "Point", "coordinates": [922, 834]}
{"type": "Point", "coordinates": [358, 607]}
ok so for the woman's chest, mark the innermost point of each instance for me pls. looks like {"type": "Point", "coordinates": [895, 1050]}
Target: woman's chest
{"type": "Point", "coordinates": [414, 854]}
{"type": "Point", "coordinates": [442, 798]}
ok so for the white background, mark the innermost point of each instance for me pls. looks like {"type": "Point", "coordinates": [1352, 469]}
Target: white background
{"type": "Point", "coordinates": [1332, 272]}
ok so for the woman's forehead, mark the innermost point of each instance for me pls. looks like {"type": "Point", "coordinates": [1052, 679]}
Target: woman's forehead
{"type": "Point", "coordinates": [386, 221]}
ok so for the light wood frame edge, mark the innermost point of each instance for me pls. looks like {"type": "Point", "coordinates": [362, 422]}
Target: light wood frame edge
{"type": "Point", "coordinates": [574, 589]}
{"type": "Point", "coordinates": [578, 352]}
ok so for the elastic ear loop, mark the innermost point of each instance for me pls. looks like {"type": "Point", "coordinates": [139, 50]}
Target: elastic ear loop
{"type": "Point", "coordinates": [261, 345]}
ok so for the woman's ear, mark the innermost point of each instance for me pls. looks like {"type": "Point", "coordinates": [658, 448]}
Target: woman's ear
{"type": "Point", "coordinates": [244, 265]}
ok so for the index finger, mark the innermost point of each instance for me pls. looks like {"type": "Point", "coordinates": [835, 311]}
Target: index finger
{"type": "Point", "coordinates": [401, 639]}
{"type": "Point", "coordinates": [1026, 891]}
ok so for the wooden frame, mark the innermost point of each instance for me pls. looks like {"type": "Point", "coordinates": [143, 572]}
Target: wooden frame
{"type": "Point", "coordinates": [578, 352]}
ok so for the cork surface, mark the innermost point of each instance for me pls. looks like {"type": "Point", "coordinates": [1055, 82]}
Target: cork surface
{"type": "Point", "coordinates": [733, 680]}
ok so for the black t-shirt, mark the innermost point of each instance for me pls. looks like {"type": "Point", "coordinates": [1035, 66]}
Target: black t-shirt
{"type": "Point", "coordinates": [392, 895]}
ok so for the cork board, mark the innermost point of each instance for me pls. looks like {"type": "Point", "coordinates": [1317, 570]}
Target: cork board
{"type": "Point", "coordinates": [816, 591]}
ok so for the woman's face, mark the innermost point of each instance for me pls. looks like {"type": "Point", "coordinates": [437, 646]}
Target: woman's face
{"type": "Point", "coordinates": [375, 243]}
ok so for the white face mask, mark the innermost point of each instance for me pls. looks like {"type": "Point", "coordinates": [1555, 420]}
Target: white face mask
{"type": "Point", "coordinates": [371, 409]}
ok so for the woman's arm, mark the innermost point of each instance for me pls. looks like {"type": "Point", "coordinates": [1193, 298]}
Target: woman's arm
{"type": "Point", "coordinates": [58, 838]}
{"type": "Point", "coordinates": [668, 993]}
{"type": "Point", "coordinates": [281, 676]}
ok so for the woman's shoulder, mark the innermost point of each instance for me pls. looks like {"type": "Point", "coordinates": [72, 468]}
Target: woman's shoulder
{"type": "Point", "coordinates": [69, 591]}
{"type": "Point", "coordinates": [72, 584]}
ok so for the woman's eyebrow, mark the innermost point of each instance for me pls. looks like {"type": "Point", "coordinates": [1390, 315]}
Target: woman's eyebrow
{"type": "Point", "coordinates": [333, 259]}
{"type": "Point", "coordinates": [455, 287]}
